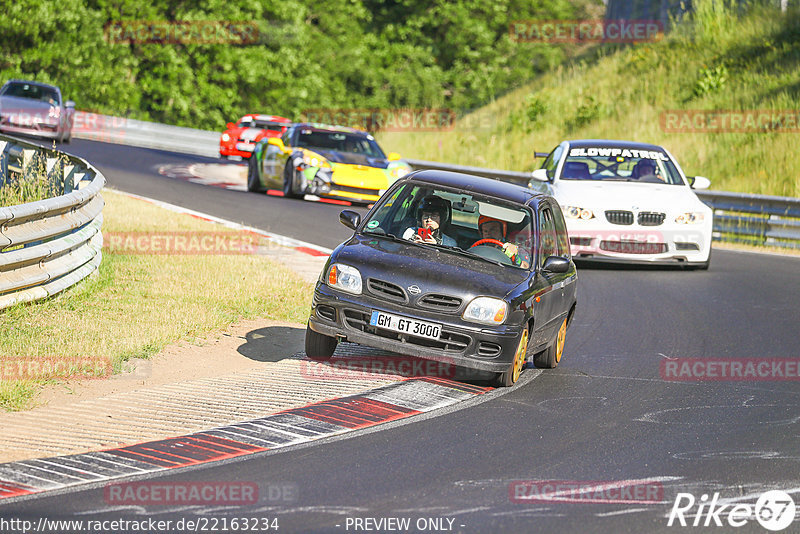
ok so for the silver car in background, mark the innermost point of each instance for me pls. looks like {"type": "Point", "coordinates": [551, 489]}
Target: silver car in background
{"type": "Point", "coordinates": [37, 109]}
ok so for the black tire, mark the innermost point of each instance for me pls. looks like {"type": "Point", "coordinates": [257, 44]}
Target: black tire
{"type": "Point", "coordinates": [549, 357]}
{"type": "Point", "coordinates": [288, 179]}
{"type": "Point", "coordinates": [253, 185]}
{"type": "Point", "coordinates": [510, 376]}
{"type": "Point", "coordinates": [319, 347]}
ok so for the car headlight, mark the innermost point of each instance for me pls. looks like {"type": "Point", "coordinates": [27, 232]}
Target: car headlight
{"type": "Point", "coordinates": [399, 172]}
{"type": "Point", "coordinates": [486, 310]}
{"type": "Point", "coordinates": [575, 212]}
{"type": "Point", "coordinates": [226, 137]}
{"type": "Point", "coordinates": [691, 217]}
{"type": "Point", "coordinates": [345, 278]}
{"type": "Point", "coordinates": [314, 161]}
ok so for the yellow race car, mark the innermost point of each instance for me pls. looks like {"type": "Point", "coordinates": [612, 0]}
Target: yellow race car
{"type": "Point", "coordinates": [324, 161]}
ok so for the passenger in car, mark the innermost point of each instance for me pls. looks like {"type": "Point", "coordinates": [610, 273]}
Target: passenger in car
{"type": "Point", "coordinates": [434, 218]}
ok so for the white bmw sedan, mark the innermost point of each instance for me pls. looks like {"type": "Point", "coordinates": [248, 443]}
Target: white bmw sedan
{"type": "Point", "coordinates": [626, 201]}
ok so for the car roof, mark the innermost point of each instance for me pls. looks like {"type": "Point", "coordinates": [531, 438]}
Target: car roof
{"type": "Point", "coordinates": [28, 82]}
{"type": "Point", "coordinates": [475, 184]}
{"type": "Point", "coordinates": [273, 118]}
{"type": "Point", "coordinates": [329, 128]}
{"type": "Point", "coordinates": [612, 143]}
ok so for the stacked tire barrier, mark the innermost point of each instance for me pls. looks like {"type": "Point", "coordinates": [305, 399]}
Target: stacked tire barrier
{"type": "Point", "coordinates": [738, 217]}
{"type": "Point", "coordinates": [49, 245]}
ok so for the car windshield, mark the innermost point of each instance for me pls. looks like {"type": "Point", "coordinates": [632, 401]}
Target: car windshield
{"type": "Point", "coordinates": [426, 216]}
{"type": "Point", "coordinates": [340, 142]}
{"type": "Point", "coordinates": [33, 92]}
{"type": "Point", "coordinates": [618, 164]}
{"type": "Point", "coordinates": [269, 125]}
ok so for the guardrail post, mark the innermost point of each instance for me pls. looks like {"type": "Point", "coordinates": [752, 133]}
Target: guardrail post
{"type": "Point", "coordinates": [3, 162]}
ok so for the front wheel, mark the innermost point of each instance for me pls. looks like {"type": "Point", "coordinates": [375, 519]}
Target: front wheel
{"type": "Point", "coordinates": [509, 377]}
{"type": "Point", "coordinates": [549, 358]}
{"type": "Point", "coordinates": [288, 182]}
{"type": "Point", "coordinates": [253, 184]}
{"type": "Point", "coordinates": [319, 347]}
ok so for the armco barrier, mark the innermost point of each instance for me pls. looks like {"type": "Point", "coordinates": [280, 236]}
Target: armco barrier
{"type": "Point", "coordinates": [738, 217]}
{"type": "Point", "coordinates": [48, 245]}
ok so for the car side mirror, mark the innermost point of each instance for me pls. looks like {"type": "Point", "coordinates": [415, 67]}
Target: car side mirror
{"type": "Point", "coordinates": [555, 264]}
{"type": "Point", "coordinates": [540, 175]}
{"type": "Point", "coordinates": [699, 182]}
{"type": "Point", "coordinates": [69, 104]}
{"type": "Point", "coordinates": [230, 126]}
{"type": "Point", "coordinates": [350, 219]}
{"type": "Point", "coordinates": [392, 156]}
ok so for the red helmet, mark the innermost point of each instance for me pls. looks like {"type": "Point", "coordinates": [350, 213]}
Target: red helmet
{"type": "Point", "coordinates": [484, 219]}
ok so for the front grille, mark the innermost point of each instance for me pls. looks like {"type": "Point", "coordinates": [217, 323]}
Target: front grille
{"type": "Point", "coordinates": [327, 312]}
{"type": "Point", "coordinates": [580, 241]}
{"type": "Point", "coordinates": [448, 341]}
{"type": "Point", "coordinates": [687, 246]}
{"type": "Point", "coordinates": [387, 290]}
{"type": "Point", "coordinates": [619, 217]}
{"type": "Point", "coordinates": [443, 303]}
{"type": "Point", "coordinates": [488, 350]}
{"type": "Point", "coordinates": [633, 247]}
{"type": "Point", "coordinates": [650, 218]}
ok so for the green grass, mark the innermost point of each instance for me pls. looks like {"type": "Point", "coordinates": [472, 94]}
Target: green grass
{"type": "Point", "coordinates": [33, 184]}
{"type": "Point", "coordinates": [712, 61]}
{"type": "Point", "coordinates": [138, 304]}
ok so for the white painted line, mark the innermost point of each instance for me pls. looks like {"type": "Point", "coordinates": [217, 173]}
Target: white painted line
{"type": "Point", "coordinates": [275, 238]}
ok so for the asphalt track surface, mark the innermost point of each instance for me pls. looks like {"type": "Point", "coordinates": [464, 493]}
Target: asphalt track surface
{"type": "Point", "coordinates": [605, 414]}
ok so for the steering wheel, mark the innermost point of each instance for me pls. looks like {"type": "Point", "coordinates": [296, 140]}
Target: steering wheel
{"type": "Point", "coordinates": [495, 242]}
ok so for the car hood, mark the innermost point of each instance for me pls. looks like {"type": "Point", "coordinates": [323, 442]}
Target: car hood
{"type": "Point", "coordinates": [432, 269]}
{"type": "Point", "coordinates": [250, 134]}
{"type": "Point", "coordinates": [350, 158]}
{"type": "Point", "coordinates": [625, 195]}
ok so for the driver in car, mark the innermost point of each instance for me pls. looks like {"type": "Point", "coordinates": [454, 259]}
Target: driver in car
{"type": "Point", "coordinates": [493, 232]}
{"type": "Point", "coordinates": [434, 216]}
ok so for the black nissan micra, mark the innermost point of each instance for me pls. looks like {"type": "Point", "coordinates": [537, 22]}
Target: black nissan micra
{"type": "Point", "coordinates": [454, 268]}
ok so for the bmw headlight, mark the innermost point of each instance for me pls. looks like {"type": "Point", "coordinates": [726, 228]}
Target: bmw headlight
{"type": "Point", "coordinates": [575, 212]}
{"type": "Point", "coordinates": [226, 137]}
{"type": "Point", "coordinates": [690, 217]}
{"type": "Point", "coordinates": [486, 310]}
{"type": "Point", "coordinates": [345, 278]}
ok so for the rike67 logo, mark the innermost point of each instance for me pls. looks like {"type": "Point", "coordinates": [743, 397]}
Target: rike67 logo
{"type": "Point", "coordinates": [774, 510]}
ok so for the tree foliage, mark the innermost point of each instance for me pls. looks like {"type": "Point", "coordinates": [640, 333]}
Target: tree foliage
{"type": "Point", "coordinates": [310, 54]}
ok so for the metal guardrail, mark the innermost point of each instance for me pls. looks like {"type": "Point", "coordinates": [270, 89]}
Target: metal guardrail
{"type": "Point", "coordinates": [754, 219]}
{"type": "Point", "coordinates": [123, 131]}
{"type": "Point", "coordinates": [49, 245]}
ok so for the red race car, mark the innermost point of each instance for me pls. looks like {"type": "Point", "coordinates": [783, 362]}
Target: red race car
{"type": "Point", "coordinates": [240, 138]}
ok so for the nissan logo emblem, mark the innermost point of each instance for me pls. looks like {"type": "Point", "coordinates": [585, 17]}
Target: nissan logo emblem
{"type": "Point", "coordinates": [414, 289]}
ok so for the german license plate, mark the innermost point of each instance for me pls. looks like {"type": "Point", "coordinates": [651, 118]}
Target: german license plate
{"type": "Point", "coordinates": [405, 325]}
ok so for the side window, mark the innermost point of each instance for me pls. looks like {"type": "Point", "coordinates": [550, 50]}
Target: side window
{"type": "Point", "coordinates": [548, 245]}
{"type": "Point", "coordinates": [287, 135]}
{"type": "Point", "coordinates": [552, 162]}
{"type": "Point", "coordinates": [561, 232]}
